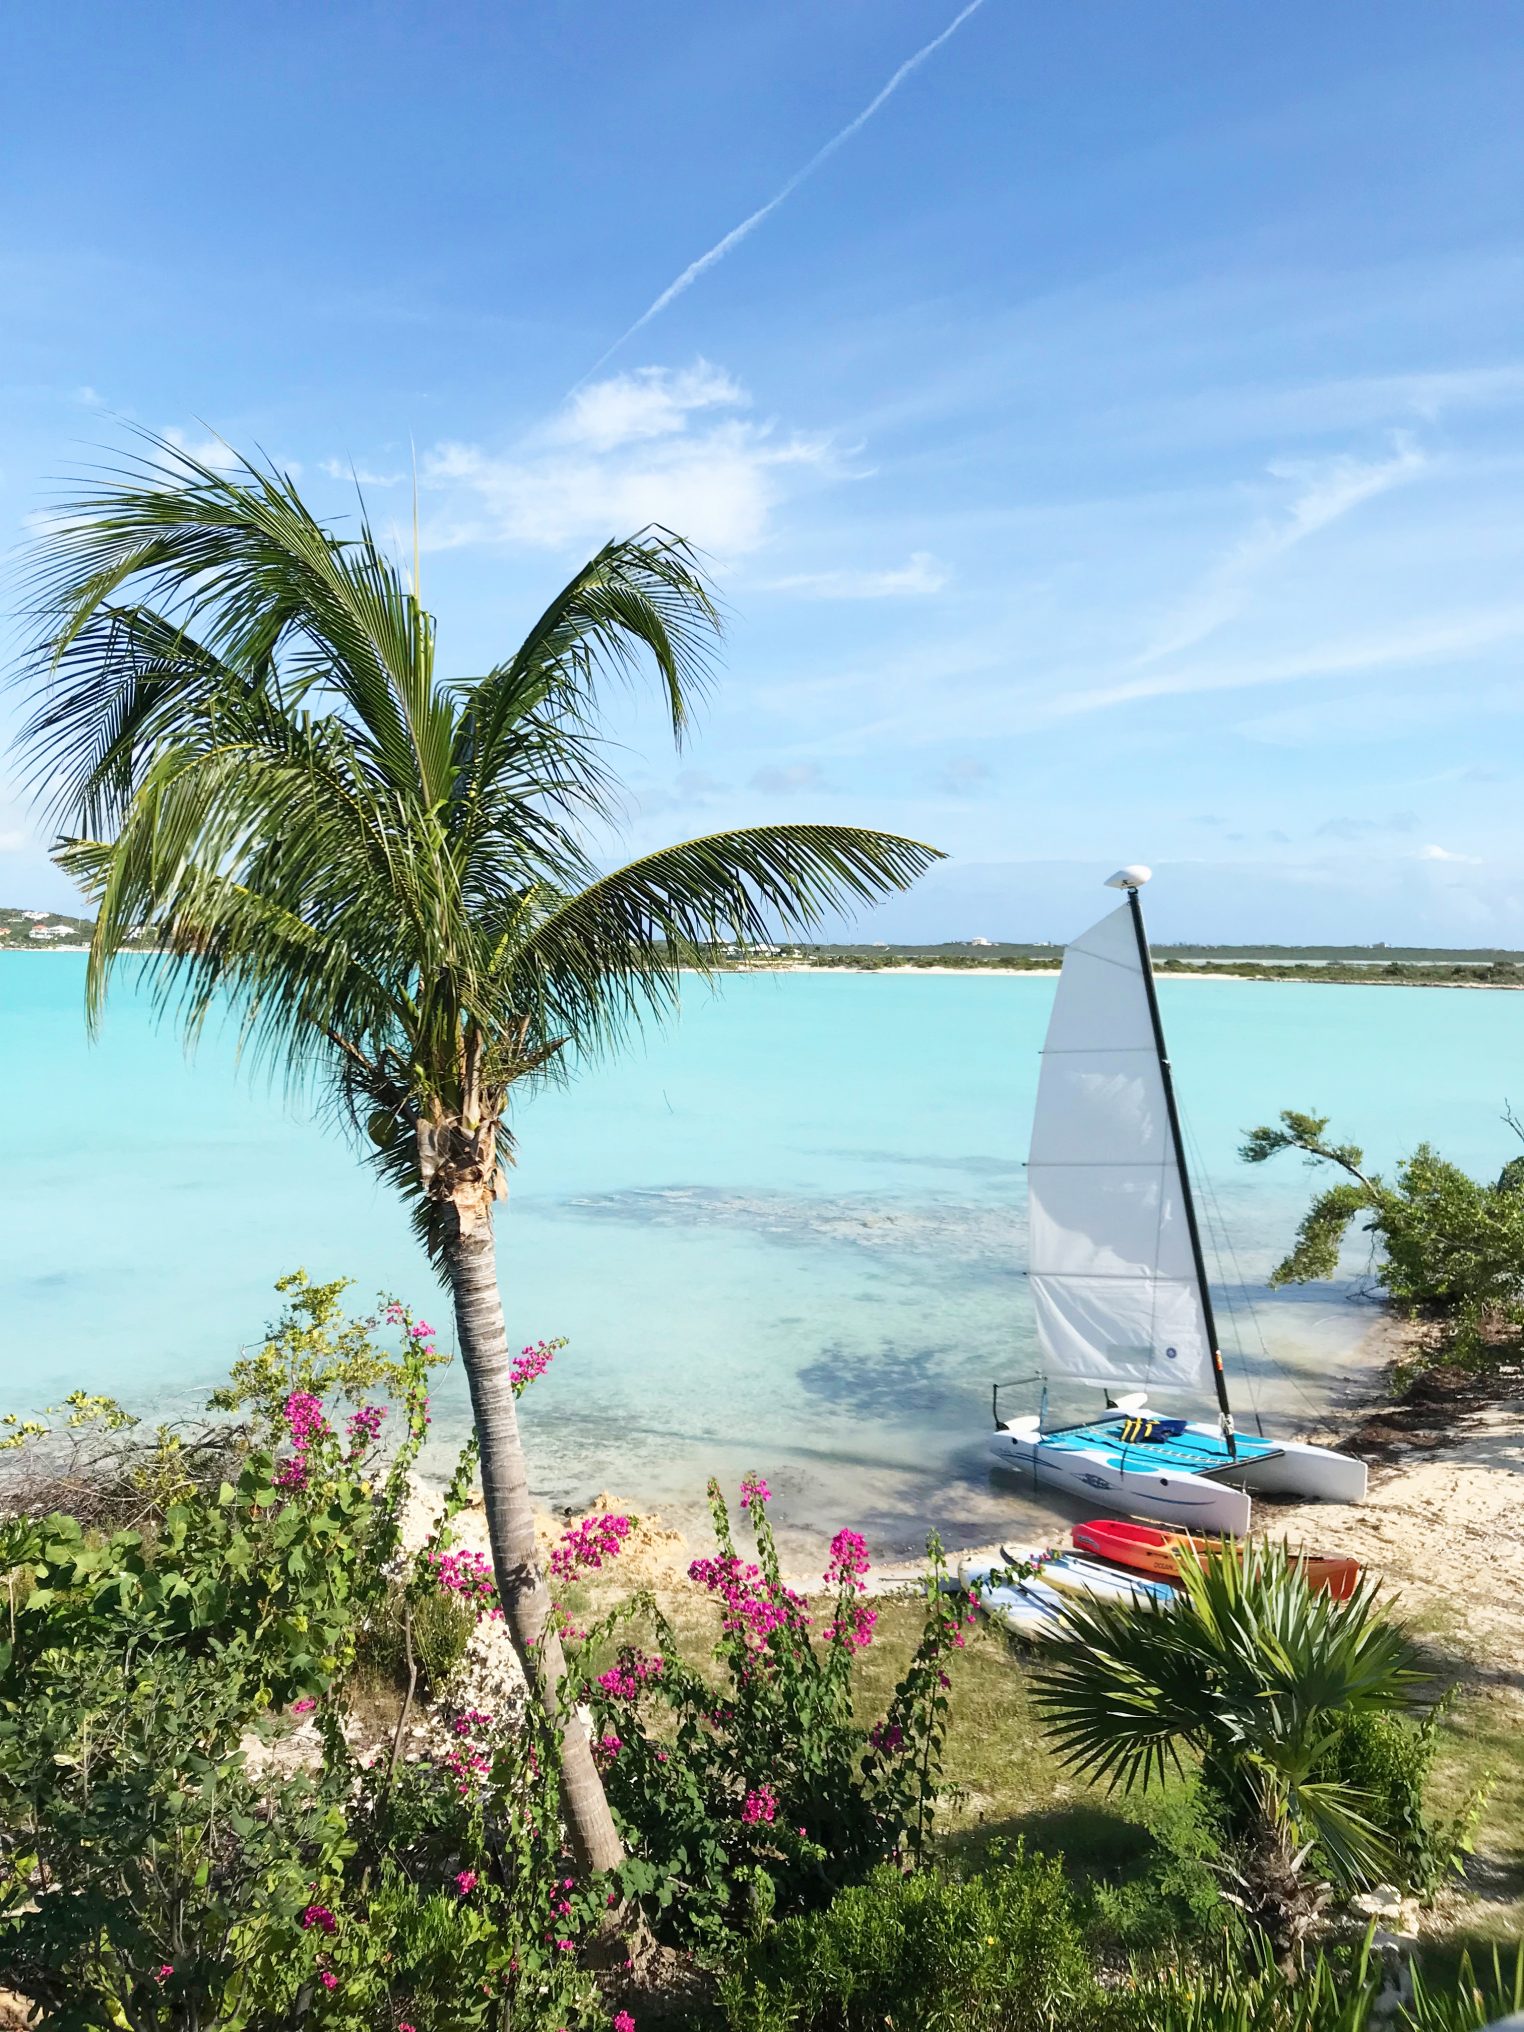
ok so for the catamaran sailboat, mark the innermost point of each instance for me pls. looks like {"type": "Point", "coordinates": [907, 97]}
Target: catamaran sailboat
{"type": "Point", "coordinates": [1117, 1272]}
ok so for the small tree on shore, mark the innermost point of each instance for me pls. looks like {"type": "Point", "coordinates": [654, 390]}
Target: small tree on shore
{"type": "Point", "coordinates": [386, 876]}
{"type": "Point", "coordinates": [1452, 1248]}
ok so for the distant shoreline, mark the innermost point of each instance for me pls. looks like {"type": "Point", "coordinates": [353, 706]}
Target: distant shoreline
{"type": "Point", "coordinates": [1313, 974]}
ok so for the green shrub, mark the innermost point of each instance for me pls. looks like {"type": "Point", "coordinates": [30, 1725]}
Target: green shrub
{"type": "Point", "coordinates": [435, 1624]}
{"type": "Point", "coordinates": [1390, 1759]}
{"type": "Point", "coordinates": [1177, 1895]}
{"type": "Point", "coordinates": [314, 1347]}
{"type": "Point", "coordinates": [998, 1952]}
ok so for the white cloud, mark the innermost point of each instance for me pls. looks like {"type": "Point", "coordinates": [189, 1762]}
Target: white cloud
{"type": "Point", "coordinates": [206, 451]}
{"type": "Point", "coordinates": [788, 780]}
{"type": "Point", "coordinates": [1444, 854]}
{"type": "Point", "coordinates": [1362, 828]}
{"type": "Point", "coordinates": [621, 454]}
{"type": "Point", "coordinates": [962, 776]}
{"type": "Point", "coordinates": [652, 402]}
{"type": "Point", "coordinates": [1327, 490]}
{"type": "Point", "coordinates": [1425, 642]}
{"type": "Point", "coordinates": [362, 476]}
{"type": "Point", "coordinates": [919, 575]}
{"type": "Point", "coordinates": [44, 522]}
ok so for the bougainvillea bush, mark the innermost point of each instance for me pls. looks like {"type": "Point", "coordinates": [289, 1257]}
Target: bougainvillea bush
{"type": "Point", "coordinates": [159, 1865]}
{"type": "Point", "coordinates": [758, 1788]}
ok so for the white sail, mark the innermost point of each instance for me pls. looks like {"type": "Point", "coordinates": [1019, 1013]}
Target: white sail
{"type": "Point", "coordinates": [1111, 1267]}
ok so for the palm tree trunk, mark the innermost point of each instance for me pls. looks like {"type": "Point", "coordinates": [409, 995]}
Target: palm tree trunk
{"type": "Point", "coordinates": [471, 1262]}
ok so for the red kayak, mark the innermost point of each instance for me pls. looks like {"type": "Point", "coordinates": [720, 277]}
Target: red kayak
{"type": "Point", "coordinates": [1147, 1549]}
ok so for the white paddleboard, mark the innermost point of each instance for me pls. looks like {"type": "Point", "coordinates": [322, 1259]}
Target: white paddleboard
{"type": "Point", "coordinates": [1070, 1574]}
{"type": "Point", "coordinates": [1025, 1610]}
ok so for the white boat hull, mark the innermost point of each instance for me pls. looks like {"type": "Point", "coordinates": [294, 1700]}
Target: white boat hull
{"type": "Point", "coordinates": [1220, 1502]}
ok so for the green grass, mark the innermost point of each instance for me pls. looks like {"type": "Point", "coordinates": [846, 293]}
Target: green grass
{"type": "Point", "coordinates": [1004, 1782]}
{"type": "Point", "coordinates": [1002, 1779]}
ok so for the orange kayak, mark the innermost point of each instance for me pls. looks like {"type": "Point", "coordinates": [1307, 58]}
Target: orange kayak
{"type": "Point", "coordinates": [1147, 1549]}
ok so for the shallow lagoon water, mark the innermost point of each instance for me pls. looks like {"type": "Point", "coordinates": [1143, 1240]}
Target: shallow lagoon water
{"type": "Point", "coordinates": [787, 1233]}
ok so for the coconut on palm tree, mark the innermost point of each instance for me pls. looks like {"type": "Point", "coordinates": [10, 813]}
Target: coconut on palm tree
{"type": "Point", "coordinates": [1256, 1673]}
{"type": "Point", "coordinates": [241, 730]}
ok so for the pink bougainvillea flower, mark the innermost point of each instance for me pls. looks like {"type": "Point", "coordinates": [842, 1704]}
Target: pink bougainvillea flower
{"type": "Point", "coordinates": [754, 1490]}
{"type": "Point", "coordinates": [849, 1561]}
{"type": "Point", "coordinates": [328, 1979]}
{"type": "Point", "coordinates": [532, 1364]}
{"type": "Point", "coordinates": [468, 1574]}
{"type": "Point", "coordinates": [623, 2022]}
{"type": "Point", "coordinates": [754, 1607]}
{"type": "Point", "coordinates": [303, 1706]}
{"type": "Point", "coordinates": [856, 1627]}
{"type": "Point", "coordinates": [624, 1681]}
{"type": "Point", "coordinates": [466, 1882]}
{"type": "Point", "coordinates": [587, 1545]}
{"type": "Point", "coordinates": [164, 1971]}
{"type": "Point", "coordinates": [364, 1427]}
{"type": "Point", "coordinates": [759, 1806]}
{"type": "Point", "coordinates": [319, 1915]}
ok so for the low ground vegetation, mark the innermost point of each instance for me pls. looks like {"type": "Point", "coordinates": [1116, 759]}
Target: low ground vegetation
{"type": "Point", "coordinates": [214, 1811]}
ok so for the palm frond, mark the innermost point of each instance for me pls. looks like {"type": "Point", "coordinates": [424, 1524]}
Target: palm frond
{"type": "Point", "coordinates": [609, 954]}
{"type": "Point", "coordinates": [644, 593]}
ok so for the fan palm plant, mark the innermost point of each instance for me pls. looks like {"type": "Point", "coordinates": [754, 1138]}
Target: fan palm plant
{"type": "Point", "coordinates": [1255, 1672]}
{"type": "Point", "coordinates": [257, 769]}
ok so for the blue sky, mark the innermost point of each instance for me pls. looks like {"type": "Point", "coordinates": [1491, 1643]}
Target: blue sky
{"type": "Point", "coordinates": [1112, 450]}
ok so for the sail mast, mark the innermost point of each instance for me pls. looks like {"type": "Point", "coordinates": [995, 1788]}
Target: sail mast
{"type": "Point", "coordinates": [1145, 960]}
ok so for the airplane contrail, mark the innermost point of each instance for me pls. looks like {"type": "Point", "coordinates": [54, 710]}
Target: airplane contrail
{"type": "Point", "coordinates": [737, 234]}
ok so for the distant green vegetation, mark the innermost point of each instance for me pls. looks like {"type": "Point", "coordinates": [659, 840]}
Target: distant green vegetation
{"type": "Point", "coordinates": [1388, 966]}
{"type": "Point", "coordinates": [37, 930]}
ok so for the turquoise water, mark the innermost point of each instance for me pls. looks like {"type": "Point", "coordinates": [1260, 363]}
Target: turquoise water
{"type": "Point", "coordinates": [787, 1234]}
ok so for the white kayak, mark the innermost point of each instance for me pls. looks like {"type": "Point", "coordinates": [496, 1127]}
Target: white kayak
{"type": "Point", "coordinates": [1026, 1609]}
{"type": "Point", "coordinates": [1071, 1573]}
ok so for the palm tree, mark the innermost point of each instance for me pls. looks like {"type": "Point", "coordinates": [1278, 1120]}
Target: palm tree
{"type": "Point", "coordinates": [257, 770]}
{"type": "Point", "coordinates": [1256, 1673]}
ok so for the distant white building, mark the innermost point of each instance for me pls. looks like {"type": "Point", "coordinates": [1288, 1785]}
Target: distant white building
{"type": "Point", "coordinates": [981, 941]}
{"type": "Point", "coordinates": [48, 930]}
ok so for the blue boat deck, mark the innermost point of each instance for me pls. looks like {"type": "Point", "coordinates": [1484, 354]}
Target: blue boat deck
{"type": "Point", "coordinates": [1191, 1453]}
